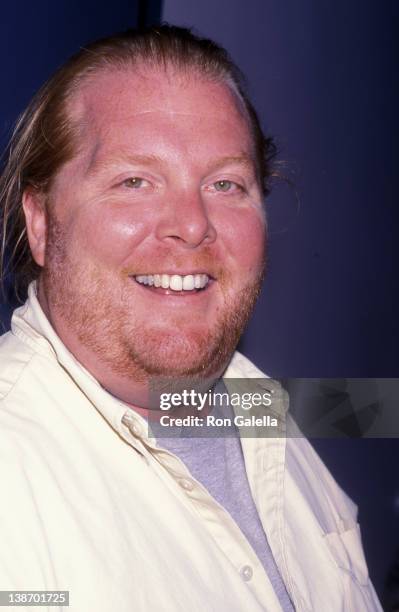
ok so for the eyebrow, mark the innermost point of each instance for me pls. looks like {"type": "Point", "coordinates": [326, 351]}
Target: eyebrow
{"type": "Point", "coordinates": [99, 165]}
{"type": "Point", "coordinates": [219, 162]}
{"type": "Point", "coordinates": [154, 160]}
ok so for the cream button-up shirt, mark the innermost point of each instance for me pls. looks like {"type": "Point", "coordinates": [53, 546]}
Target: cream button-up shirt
{"type": "Point", "coordinates": [90, 504]}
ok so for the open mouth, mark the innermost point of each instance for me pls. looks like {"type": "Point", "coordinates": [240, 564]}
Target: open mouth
{"type": "Point", "coordinates": [174, 284]}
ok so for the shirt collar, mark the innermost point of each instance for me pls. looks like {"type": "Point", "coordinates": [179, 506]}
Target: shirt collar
{"type": "Point", "coordinates": [31, 325]}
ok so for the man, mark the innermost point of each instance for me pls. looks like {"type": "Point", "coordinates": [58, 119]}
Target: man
{"type": "Point", "coordinates": [133, 202]}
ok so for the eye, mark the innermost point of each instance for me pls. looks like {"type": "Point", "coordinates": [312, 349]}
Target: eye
{"type": "Point", "coordinates": [225, 186]}
{"type": "Point", "coordinates": [134, 182]}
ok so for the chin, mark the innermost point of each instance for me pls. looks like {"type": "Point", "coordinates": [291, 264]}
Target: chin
{"type": "Point", "coordinates": [178, 354]}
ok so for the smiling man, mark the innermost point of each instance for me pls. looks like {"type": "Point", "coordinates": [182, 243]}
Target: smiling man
{"type": "Point", "coordinates": [141, 234]}
{"type": "Point", "coordinates": [132, 204]}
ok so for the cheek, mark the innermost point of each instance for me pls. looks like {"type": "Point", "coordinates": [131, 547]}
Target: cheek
{"type": "Point", "coordinates": [244, 236]}
{"type": "Point", "coordinates": [108, 238]}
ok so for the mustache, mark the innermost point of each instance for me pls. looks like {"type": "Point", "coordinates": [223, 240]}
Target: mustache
{"type": "Point", "coordinates": [204, 261]}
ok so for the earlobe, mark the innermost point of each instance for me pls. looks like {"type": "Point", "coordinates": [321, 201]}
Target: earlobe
{"type": "Point", "coordinates": [33, 202]}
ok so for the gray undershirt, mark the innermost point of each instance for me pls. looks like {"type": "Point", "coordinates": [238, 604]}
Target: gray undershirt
{"type": "Point", "coordinates": [218, 464]}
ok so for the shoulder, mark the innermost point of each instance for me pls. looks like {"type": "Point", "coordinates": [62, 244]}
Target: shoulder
{"type": "Point", "coordinates": [26, 380]}
{"type": "Point", "coordinates": [305, 471]}
{"type": "Point", "coordinates": [241, 367]}
{"type": "Point", "coordinates": [331, 506]}
{"type": "Point", "coordinates": [15, 356]}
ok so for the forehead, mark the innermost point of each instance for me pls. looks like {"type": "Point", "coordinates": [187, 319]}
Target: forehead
{"type": "Point", "coordinates": [188, 110]}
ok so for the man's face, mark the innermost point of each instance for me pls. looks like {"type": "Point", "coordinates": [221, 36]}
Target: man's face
{"type": "Point", "coordinates": [163, 190]}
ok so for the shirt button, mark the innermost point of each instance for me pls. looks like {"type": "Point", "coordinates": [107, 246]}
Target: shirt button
{"type": "Point", "coordinates": [133, 426]}
{"type": "Point", "coordinates": [135, 429]}
{"type": "Point", "coordinates": [185, 484]}
{"type": "Point", "coordinates": [246, 572]}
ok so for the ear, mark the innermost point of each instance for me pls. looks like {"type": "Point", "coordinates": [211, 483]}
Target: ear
{"type": "Point", "coordinates": [33, 202]}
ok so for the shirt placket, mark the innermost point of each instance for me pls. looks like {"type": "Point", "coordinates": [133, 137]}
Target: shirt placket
{"type": "Point", "coordinates": [216, 520]}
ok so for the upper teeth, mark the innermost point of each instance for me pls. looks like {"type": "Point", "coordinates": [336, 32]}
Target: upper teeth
{"type": "Point", "coordinates": [175, 281]}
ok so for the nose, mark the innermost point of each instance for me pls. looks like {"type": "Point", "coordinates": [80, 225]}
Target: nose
{"type": "Point", "coordinates": [186, 220]}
